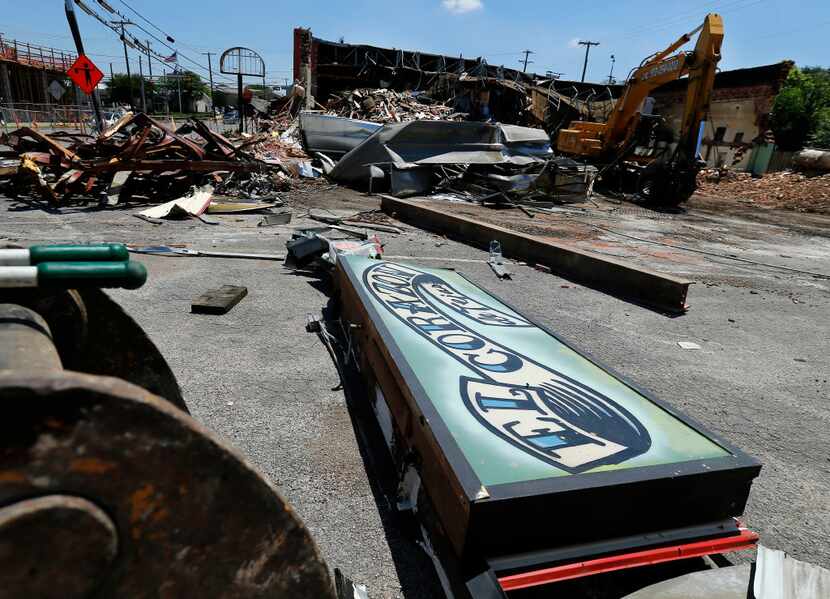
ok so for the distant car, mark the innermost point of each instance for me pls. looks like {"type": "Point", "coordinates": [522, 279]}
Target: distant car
{"type": "Point", "coordinates": [231, 117]}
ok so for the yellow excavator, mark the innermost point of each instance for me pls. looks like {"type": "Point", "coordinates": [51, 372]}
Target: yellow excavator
{"type": "Point", "coordinates": [631, 148]}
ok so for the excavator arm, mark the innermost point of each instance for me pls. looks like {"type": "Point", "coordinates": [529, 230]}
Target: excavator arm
{"type": "Point", "coordinates": [607, 140]}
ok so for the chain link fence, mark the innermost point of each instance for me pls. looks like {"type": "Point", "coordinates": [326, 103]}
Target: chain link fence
{"type": "Point", "coordinates": [47, 116]}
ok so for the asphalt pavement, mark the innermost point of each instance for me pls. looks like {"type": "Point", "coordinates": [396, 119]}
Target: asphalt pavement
{"type": "Point", "coordinates": [759, 379]}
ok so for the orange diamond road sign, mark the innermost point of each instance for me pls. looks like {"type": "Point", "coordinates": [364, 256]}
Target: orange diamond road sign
{"type": "Point", "coordinates": [85, 74]}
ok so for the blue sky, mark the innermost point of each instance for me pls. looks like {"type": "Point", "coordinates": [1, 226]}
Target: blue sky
{"type": "Point", "coordinates": [757, 31]}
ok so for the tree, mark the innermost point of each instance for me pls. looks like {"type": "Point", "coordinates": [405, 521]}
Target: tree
{"type": "Point", "coordinates": [801, 112]}
{"type": "Point", "coordinates": [126, 90]}
{"type": "Point", "coordinates": [821, 135]}
{"type": "Point", "coordinates": [192, 87]}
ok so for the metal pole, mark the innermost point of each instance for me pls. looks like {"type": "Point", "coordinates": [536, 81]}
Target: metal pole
{"type": "Point", "coordinates": [127, 61]}
{"type": "Point", "coordinates": [79, 46]}
{"type": "Point", "coordinates": [611, 74]}
{"type": "Point", "coordinates": [141, 76]}
{"type": "Point", "coordinates": [179, 82]}
{"type": "Point", "coordinates": [239, 102]}
{"type": "Point", "coordinates": [150, 67]}
{"type": "Point", "coordinates": [239, 91]}
{"type": "Point", "coordinates": [210, 72]}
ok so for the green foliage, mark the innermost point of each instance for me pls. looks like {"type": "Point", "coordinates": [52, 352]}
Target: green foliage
{"type": "Point", "coordinates": [220, 98]}
{"type": "Point", "coordinates": [121, 88]}
{"type": "Point", "coordinates": [821, 134]}
{"type": "Point", "coordinates": [191, 84]}
{"type": "Point", "coordinates": [801, 113]}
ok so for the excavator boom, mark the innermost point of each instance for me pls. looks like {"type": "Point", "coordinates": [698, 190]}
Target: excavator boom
{"type": "Point", "coordinates": [610, 142]}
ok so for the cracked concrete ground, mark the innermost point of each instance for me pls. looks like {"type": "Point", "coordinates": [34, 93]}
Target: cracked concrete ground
{"type": "Point", "coordinates": [254, 376]}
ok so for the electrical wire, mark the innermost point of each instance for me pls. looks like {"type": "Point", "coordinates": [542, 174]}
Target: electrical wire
{"type": "Point", "coordinates": [677, 18]}
{"type": "Point", "coordinates": [150, 53]}
{"type": "Point", "coordinates": [725, 8]}
{"type": "Point", "coordinates": [171, 39]}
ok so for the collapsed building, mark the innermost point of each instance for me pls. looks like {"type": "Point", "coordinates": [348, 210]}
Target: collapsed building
{"type": "Point", "coordinates": [736, 136]}
{"type": "Point", "coordinates": [471, 84]}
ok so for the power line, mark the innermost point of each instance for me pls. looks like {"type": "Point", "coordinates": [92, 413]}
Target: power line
{"type": "Point", "coordinates": [169, 38]}
{"type": "Point", "coordinates": [728, 7]}
{"type": "Point", "coordinates": [681, 17]}
{"type": "Point", "coordinates": [146, 20]}
{"type": "Point", "coordinates": [158, 57]}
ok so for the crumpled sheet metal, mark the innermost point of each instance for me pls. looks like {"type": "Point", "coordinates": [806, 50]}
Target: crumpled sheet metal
{"type": "Point", "coordinates": [442, 142]}
{"type": "Point", "coordinates": [333, 135]}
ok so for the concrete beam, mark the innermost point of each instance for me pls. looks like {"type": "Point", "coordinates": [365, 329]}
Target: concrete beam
{"type": "Point", "coordinates": [6, 84]}
{"type": "Point", "coordinates": [616, 277]}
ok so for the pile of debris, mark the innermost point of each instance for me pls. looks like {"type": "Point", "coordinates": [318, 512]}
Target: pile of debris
{"type": "Point", "coordinates": [388, 106]}
{"type": "Point", "coordinates": [469, 161]}
{"type": "Point", "coordinates": [786, 190]}
{"type": "Point", "coordinates": [140, 159]}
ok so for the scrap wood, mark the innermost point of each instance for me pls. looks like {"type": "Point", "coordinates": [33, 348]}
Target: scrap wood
{"type": "Point", "coordinates": [163, 162]}
{"type": "Point", "coordinates": [16, 140]}
{"type": "Point", "coordinates": [386, 106]}
{"type": "Point", "coordinates": [218, 301]}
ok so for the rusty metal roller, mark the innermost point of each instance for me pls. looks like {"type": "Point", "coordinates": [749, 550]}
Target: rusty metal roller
{"type": "Point", "coordinates": [107, 490]}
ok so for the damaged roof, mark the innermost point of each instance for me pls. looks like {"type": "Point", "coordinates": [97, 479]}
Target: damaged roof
{"type": "Point", "coordinates": [770, 74]}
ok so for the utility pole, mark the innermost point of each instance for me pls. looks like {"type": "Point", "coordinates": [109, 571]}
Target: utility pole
{"type": "Point", "coordinates": [141, 76]}
{"type": "Point", "coordinates": [79, 46]}
{"type": "Point", "coordinates": [126, 57]}
{"type": "Point", "coordinates": [527, 54]}
{"type": "Point", "coordinates": [210, 71]}
{"type": "Point", "coordinates": [150, 67]}
{"type": "Point", "coordinates": [587, 49]}
{"type": "Point", "coordinates": [179, 82]}
{"type": "Point", "coordinates": [611, 74]}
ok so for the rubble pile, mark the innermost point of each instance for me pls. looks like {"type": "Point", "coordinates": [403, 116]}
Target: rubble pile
{"type": "Point", "coordinates": [787, 190]}
{"type": "Point", "coordinates": [388, 106]}
{"type": "Point", "coordinates": [139, 158]}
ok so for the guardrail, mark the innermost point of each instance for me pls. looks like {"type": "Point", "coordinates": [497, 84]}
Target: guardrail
{"type": "Point", "coordinates": [34, 55]}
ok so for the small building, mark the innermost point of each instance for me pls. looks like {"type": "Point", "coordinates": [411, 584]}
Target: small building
{"type": "Point", "coordinates": [740, 110]}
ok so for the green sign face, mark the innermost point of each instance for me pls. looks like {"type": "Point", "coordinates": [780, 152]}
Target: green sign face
{"type": "Point", "coordinates": [520, 404]}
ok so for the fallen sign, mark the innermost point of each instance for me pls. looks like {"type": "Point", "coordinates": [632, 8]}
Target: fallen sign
{"type": "Point", "coordinates": [527, 462]}
{"type": "Point", "coordinates": [655, 290]}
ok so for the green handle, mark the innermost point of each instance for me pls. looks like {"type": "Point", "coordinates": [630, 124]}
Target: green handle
{"type": "Point", "coordinates": [105, 252]}
{"type": "Point", "coordinates": [73, 275]}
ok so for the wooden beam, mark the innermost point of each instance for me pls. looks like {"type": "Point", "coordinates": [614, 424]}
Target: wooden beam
{"type": "Point", "coordinates": [616, 277]}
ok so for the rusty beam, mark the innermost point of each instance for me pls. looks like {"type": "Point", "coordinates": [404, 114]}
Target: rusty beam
{"type": "Point", "coordinates": [202, 166]}
{"type": "Point", "coordinates": [616, 277]}
{"type": "Point", "coordinates": [53, 146]}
